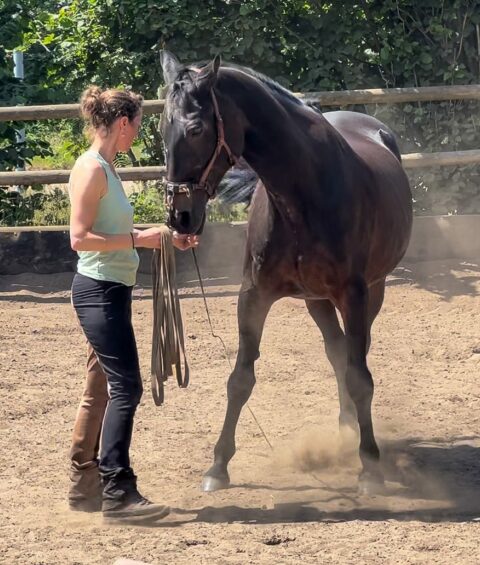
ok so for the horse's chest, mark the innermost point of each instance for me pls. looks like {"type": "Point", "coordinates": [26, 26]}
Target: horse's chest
{"type": "Point", "coordinates": [318, 274]}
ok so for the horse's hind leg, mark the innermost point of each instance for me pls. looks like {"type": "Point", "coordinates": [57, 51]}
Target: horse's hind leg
{"type": "Point", "coordinates": [325, 316]}
{"type": "Point", "coordinates": [355, 307]}
{"type": "Point", "coordinates": [253, 308]}
{"type": "Point", "coordinates": [376, 294]}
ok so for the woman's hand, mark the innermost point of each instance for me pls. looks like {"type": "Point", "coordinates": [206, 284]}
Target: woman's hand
{"type": "Point", "coordinates": [184, 241]}
{"type": "Point", "coordinates": [152, 239]}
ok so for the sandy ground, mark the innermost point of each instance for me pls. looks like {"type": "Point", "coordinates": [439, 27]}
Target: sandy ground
{"type": "Point", "coordinates": [295, 504]}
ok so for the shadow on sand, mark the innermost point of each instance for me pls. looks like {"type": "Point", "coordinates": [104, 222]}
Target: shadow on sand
{"type": "Point", "coordinates": [430, 481]}
{"type": "Point", "coordinates": [55, 289]}
{"type": "Point", "coordinates": [446, 279]}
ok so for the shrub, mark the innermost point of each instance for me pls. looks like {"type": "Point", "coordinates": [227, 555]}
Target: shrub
{"type": "Point", "coordinates": [148, 205]}
{"type": "Point", "coordinates": [54, 209]}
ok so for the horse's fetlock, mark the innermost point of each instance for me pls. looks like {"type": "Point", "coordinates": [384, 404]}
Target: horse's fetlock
{"type": "Point", "coordinates": [223, 452]}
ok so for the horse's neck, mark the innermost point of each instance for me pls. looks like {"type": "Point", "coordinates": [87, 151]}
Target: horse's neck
{"type": "Point", "coordinates": [280, 145]}
{"type": "Point", "coordinates": [271, 145]}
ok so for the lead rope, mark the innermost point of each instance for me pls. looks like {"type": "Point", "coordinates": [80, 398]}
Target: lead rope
{"type": "Point", "coordinates": [223, 343]}
{"type": "Point", "coordinates": [168, 346]}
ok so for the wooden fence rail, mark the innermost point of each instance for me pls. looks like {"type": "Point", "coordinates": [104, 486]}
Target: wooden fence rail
{"type": "Point", "coordinates": [410, 161]}
{"type": "Point", "coordinates": [335, 98]}
{"type": "Point", "coordinates": [331, 98]}
{"type": "Point", "coordinates": [61, 176]}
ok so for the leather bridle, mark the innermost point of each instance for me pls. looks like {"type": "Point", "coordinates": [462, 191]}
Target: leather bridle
{"type": "Point", "coordinates": [173, 188]}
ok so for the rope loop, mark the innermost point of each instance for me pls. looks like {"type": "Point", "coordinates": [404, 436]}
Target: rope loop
{"type": "Point", "coordinates": [168, 345]}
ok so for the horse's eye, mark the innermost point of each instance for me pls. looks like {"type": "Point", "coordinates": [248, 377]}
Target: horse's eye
{"type": "Point", "coordinates": [194, 130]}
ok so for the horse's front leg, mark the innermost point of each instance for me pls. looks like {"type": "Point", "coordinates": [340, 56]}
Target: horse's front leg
{"type": "Point", "coordinates": [355, 312]}
{"type": "Point", "coordinates": [253, 308]}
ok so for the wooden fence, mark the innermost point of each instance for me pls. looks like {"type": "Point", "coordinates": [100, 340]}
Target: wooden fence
{"type": "Point", "coordinates": [335, 98]}
{"type": "Point", "coordinates": [61, 176]}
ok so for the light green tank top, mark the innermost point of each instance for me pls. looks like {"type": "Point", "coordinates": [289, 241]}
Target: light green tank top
{"type": "Point", "coordinates": [115, 216]}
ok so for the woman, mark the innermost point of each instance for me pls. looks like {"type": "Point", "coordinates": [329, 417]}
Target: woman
{"type": "Point", "coordinates": [101, 231]}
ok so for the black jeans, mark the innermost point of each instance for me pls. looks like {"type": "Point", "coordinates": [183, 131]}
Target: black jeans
{"type": "Point", "coordinates": [104, 310]}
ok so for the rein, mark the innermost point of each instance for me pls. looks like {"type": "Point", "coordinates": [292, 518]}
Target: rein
{"type": "Point", "coordinates": [172, 188]}
{"type": "Point", "coordinates": [168, 346]}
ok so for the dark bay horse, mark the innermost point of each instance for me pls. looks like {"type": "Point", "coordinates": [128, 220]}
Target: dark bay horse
{"type": "Point", "coordinates": [330, 218]}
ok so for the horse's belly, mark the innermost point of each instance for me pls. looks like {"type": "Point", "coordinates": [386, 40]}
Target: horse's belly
{"type": "Point", "coordinates": [310, 294]}
{"type": "Point", "coordinates": [294, 276]}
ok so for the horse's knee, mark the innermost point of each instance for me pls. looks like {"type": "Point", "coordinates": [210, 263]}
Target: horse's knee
{"type": "Point", "coordinates": [240, 385]}
{"type": "Point", "coordinates": [356, 291]}
{"type": "Point", "coordinates": [359, 384]}
{"type": "Point", "coordinates": [337, 353]}
{"type": "Point", "coordinates": [248, 351]}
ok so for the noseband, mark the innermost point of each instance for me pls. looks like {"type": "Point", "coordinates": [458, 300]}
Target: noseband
{"type": "Point", "coordinates": [172, 188]}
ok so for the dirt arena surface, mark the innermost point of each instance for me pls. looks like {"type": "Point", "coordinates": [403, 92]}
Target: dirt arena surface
{"type": "Point", "coordinates": [297, 504]}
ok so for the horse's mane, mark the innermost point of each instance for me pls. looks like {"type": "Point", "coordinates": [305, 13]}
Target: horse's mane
{"type": "Point", "coordinates": [271, 84]}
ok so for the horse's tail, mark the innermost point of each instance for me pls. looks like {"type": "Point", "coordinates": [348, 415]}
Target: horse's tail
{"type": "Point", "coordinates": [390, 142]}
{"type": "Point", "coordinates": [238, 185]}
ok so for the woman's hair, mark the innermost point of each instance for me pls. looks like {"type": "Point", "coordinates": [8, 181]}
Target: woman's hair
{"type": "Point", "coordinates": [101, 108]}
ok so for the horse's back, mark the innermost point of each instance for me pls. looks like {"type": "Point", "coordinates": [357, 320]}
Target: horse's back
{"type": "Point", "coordinates": [359, 128]}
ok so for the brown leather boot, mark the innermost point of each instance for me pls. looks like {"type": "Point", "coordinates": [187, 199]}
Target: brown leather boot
{"type": "Point", "coordinates": [122, 503]}
{"type": "Point", "coordinates": [91, 412]}
{"type": "Point", "coordinates": [85, 492]}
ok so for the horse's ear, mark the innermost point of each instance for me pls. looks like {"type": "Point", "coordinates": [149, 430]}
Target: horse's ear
{"type": "Point", "coordinates": [207, 77]}
{"type": "Point", "coordinates": [170, 66]}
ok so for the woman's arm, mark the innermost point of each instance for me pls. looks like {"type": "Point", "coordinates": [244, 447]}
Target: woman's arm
{"type": "Point", "coordinates": [88, 184]}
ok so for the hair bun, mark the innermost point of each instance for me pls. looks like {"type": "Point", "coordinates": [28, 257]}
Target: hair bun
{"type": "Point", "coordinates": [101, 108]}
{"type": "Point", "coordinates": [90, 102]}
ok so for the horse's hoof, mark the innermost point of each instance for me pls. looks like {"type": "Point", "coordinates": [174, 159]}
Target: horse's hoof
{"type": "Point", "coordinates": [371, 484]}
{"type": "Point", "coordinates": [211, 484]}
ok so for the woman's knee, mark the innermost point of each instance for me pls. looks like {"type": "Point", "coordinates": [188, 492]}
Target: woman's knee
{"type": "Point", "coordinates": [127, 390]}
{"type": "Point", "coordinates": [137, 392]}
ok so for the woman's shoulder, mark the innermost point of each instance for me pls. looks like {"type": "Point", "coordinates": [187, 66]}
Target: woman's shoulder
{"type": "Point", "coordinates": [88, 161]}
{"type": "Point", "coordinates": [87, 169]}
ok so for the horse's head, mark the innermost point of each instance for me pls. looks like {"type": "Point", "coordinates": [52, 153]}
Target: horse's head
{"type": "Point", "coordinates": [201, 140]}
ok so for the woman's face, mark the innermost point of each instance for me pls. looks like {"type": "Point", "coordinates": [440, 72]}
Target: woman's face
{"type": "Point", "coordinates": [128, 131]}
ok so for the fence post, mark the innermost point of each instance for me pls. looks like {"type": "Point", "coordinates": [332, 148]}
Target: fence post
{"type": "Point", "coordinates": [19, 72]}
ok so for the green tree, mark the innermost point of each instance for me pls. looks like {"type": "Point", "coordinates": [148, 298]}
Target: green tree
{"type": "Point", "coordinates": [14, 18]}
{"type": "Point", "coordinates": [306, 45]}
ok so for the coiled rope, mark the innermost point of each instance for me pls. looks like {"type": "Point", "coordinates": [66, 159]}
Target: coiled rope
{"type": "Point", "coordinates": [168, 346]}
